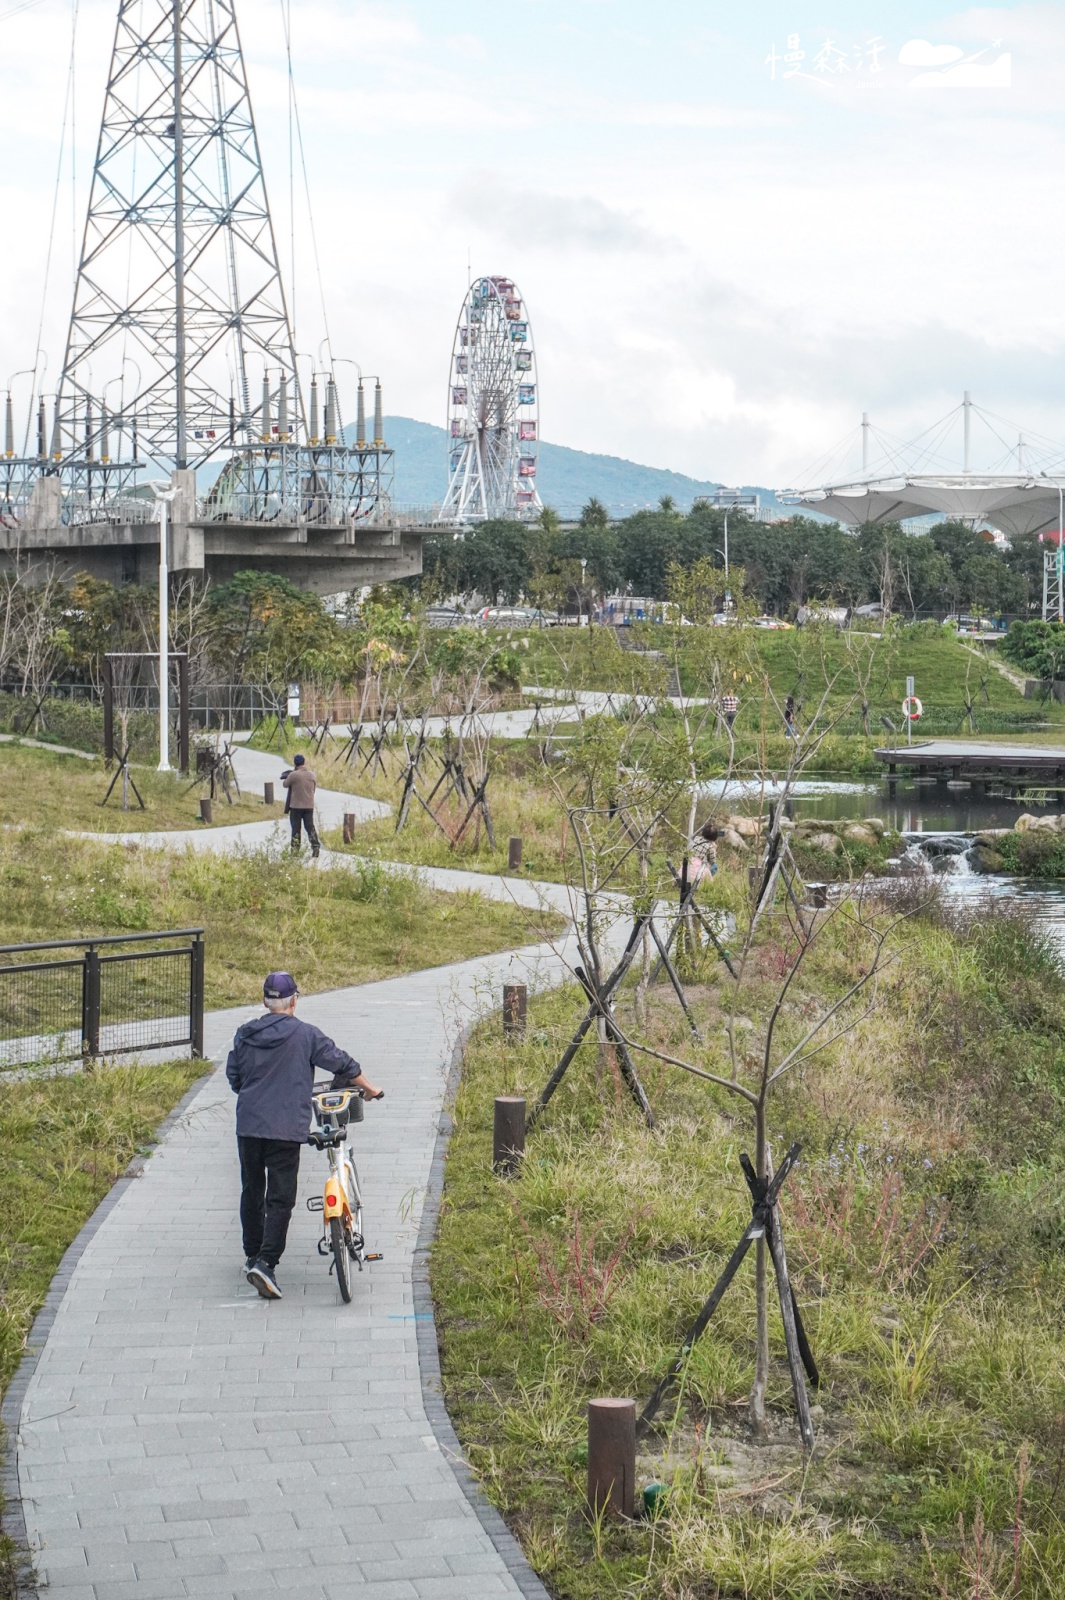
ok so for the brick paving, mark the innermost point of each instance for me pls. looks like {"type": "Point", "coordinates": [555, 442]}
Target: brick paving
{"type": "Point", "coordinates": [181, 1437]}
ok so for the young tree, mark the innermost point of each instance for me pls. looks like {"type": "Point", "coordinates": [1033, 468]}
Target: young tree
{"type": "Point", "coordinates": [631, 785]}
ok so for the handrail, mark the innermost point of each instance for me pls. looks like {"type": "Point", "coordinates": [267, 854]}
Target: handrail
{"type": "Point", "coordinates": [106, 938]}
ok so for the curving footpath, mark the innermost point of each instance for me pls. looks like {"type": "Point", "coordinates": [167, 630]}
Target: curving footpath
{"type": "Point", "coordinates": [177, 1436]}
{"type": "Point", "coordinates": [255, 767]}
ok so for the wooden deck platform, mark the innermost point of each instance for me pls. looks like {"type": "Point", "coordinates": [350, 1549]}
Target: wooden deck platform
{"type": "Point", "coordinates": [1012, 766]}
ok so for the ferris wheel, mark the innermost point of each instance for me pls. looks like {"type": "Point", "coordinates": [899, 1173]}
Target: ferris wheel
{"type": "Point", "coordinates": [493, 427]}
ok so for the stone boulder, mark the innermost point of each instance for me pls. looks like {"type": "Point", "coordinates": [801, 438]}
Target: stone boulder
{"type": "Point", "coordinates": [746, 827]}
{"type": "Point", "coordinates": [1030, 824]}
{"type": "Point", "coordinates": [857, 833]}
{"type": "Point", "coordinates": [734, 840]}
{"type": "Point", "coordinates": [985, 860]}
{"type": "Point", "coordinates": [828, 842]}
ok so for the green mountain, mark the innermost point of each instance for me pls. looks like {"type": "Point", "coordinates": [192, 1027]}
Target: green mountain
{"type": "Point", "coordinates": [567, 479]}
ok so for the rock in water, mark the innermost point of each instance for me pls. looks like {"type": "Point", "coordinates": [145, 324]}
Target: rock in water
{"type": "Point", "coordinates": [983, 859]}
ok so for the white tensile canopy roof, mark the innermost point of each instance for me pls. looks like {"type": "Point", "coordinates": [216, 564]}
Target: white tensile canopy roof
{"type": "Point", "coordinates": [1019, 491]}
{"type": "Point", "coordinates": [1016, 505]}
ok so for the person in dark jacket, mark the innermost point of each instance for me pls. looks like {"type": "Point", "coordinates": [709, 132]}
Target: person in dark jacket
{"type": "Point", "coordinates": [301, 783]}
{"type": "Point", "coordinates": [271, 1071]}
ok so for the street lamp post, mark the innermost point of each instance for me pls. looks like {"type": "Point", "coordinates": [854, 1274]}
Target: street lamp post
{"type": "Point", "coordinates": [164, 495]}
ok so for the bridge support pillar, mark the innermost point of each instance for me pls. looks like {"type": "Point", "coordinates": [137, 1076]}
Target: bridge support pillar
{"type": "Point", "coordinates": [186, 542]}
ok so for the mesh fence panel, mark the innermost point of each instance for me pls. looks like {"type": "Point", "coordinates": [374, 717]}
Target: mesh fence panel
{"type": "Point", "coordinates": [144, 1000]}
{"type": "Point", "coordinates": [40, 1011]}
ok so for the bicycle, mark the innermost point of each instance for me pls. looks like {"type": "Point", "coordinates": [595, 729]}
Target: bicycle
{"type": "Point", "coordinates": [341, 1201]}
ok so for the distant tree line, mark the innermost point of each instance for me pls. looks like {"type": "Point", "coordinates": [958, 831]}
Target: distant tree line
{"type": "Point", "coordinates": [951, 567]}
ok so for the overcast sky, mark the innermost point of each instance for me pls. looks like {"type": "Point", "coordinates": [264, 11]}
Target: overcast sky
{"type": "Point", "coordinates": [735, 228]}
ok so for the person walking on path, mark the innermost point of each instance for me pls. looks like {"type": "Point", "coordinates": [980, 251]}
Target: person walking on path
{"type": "Point", "coordinates": [789, 717]}
{"type": "Point", "coordinates": [730, 704]}
{"type": "Point", "coordinates": [271, 1071]}
{"type": "Point", "coordinates": [301, 783]}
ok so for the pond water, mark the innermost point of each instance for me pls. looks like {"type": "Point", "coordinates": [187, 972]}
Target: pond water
{"type": "Point", "coordinates": [937, 820]}
{"type": "Point", "coordinates": [903, 804]}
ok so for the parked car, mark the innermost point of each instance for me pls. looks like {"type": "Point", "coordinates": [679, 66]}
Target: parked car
{"type": "Point", "coordinates": [506, 617]}
{"type": "Point", "coordinates": [445, 617]}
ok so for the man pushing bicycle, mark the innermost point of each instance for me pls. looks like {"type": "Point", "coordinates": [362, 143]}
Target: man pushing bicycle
{"type": "Point", "coordinates": [271, 1070]}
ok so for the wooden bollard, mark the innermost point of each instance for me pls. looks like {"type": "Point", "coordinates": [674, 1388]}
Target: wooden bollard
{"type": "Point", "coordinates": [508, 1135]}
{"type": "Point", "coordinates": [349, 827]}
{"type": "Point", "coordinates": [819, 894]}
{"type": "Point", "coordinates": [206, 814]}
{"type": "Point", "coordinates": [612, 1457]}
{"type": "Point", "coordinates": [515, 1009]}
{"type": "Point", "coordinates": [514, 854]}
{"type": "Point", "coordinates": [268, 794]}
{"type": "Point", "coordinates": [754, 876]}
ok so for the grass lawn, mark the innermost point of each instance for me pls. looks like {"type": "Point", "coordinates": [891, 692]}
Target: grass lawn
{"type": "Point", "coordinates": [261, 912]}
{"type": "Point", "coordinates": [945, 672]}
{"type": "Point", "coordinates": [64, 791]}
{"type": "Point", "coordinates": [63, 1142]}
{"type": "Point", "coordinates": [926, 1238]}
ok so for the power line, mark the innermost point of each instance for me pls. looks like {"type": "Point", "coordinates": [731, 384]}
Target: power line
{"type": "Point", "coordinates": [14, 10]}
{"type": "Point", "coordinates": [294, 103]}
{"type": "Point", "coordinates": [67, 110]}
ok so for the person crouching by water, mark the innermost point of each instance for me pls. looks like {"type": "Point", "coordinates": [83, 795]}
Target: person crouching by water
{"type": "Point", "coordinates": [702, 854]}
{"type": "Point", "coordinates": [301, 783]}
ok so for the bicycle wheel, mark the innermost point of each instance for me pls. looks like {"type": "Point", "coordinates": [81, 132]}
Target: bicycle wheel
{"type": "Point", "coordinates": [340, 1257]}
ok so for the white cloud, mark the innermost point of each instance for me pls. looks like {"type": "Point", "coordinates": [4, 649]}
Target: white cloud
{"type": "Point", "coordinates": [997, 74]}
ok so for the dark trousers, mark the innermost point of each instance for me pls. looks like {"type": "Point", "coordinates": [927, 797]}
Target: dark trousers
{"type": "Point", "coordinates": [269, 1169]}
{"type": "Point", "coordinates": [304, 815]}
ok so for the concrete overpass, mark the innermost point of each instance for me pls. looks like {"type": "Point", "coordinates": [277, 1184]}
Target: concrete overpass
{"type": "Point", "coordinates": [120, 542]}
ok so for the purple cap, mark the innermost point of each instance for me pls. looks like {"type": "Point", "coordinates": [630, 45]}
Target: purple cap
{"type": "Point", "coordinates": [279, 986]}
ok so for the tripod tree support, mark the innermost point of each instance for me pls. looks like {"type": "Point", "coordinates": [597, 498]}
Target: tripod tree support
{"type": "Point", "coordinates": [606, 993]}
{"type": "Point", "coordinates": [178, 659]}
{"type": "Point", "coordinates": [601, 1007]}
{"type": "Point", "coordinates": [687, 903]}
{"type": "Point", "coordinates": [764, 1223]}
{"type": "Point", "coordinates": [123, 767]}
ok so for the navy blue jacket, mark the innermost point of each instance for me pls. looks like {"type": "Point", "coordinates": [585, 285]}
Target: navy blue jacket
{"type": "Point", "coordinates": [271, 1069]}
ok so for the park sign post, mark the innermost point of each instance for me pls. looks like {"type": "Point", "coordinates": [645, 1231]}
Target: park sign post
{"type": "Point", "coordinates": [906, 708]}
{"type": "Point", "coordinates": [912, 710]}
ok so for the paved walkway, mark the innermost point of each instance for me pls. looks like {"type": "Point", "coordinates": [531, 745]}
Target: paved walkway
{"type": "Point", "coordinates": [256, 767]}
{"type": "Point", "coordinates": [181, 1437]}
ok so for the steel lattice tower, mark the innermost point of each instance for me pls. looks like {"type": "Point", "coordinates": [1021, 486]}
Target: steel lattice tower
{"type": "Point", "coordinates": [178, 303]}
{"type": "Point", "coordinates": [180, 347]}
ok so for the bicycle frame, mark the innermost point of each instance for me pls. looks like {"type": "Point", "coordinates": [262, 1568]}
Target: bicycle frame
{"type": "Point", "coordinates": [341, 1201]}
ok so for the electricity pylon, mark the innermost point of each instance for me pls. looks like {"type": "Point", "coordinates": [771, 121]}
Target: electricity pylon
{"type": "Point", "coordinates": [180, 347]}
{"type": "Point", "coordinates": [178, 302]}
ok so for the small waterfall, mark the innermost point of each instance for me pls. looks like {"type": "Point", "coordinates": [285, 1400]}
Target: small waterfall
{"type": "Point", "coordinates": [941, 853]}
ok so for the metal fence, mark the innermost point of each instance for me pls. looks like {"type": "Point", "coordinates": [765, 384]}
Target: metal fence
{"type": "Point", "coordinates": [235, 706]}
{"type": "Point", "coordinates": [112, 997]}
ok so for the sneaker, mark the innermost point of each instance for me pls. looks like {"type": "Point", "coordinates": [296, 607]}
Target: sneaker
{"type": "Point", "coordinates": [261, 1277]}
{"type": "Point", "coordinates": [249, 1262]}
